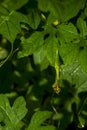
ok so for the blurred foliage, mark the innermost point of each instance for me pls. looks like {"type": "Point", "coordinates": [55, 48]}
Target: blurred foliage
{"type": "Point", "coordinates": [43, 64]}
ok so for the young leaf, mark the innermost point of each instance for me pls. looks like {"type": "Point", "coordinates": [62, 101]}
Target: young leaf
{"type": "Point", "coordinates": [37, 121]}
{"type": "Point", "coordinates": [11, 116]}
{"type": "Point", "coordinates": [10, 25]}
{"type": "Point", "coordinates": [31, 44]}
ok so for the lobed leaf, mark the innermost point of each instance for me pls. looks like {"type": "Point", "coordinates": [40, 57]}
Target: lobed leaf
{"type": "Point", "coordinates": [69, 52]}
{"type": "Point", "coordinates": [68, 32]}
{"type": "Point", "coordinates": [10, 25]}
{"type": "Point", "coordinates": [75, 76]}
{"type": "Point", "coordinates": [37, 121]}
{"type": "Point", "coordinates": [31, 44]}
{"type": "Point", "coordinates": [62, 10]}
{"type": "Point", "coordinates": [11, 116]}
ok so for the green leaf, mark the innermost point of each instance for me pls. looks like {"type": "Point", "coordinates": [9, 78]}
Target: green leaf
{"type": "Point", "coordinates": [69, 52]}
{"type": "Point", "coordinates": [44, 64]}
{"type": "Point", "coordinates": [68, 32]}
{"type": "Point", "coordinates": [3, 11]}
{"type": "Point", "coordinates": [11, 116]}
{"type": "Point", "coordinates": [81, 24]}
{"type": "Point", "coordinates": [41, 59]}
{"type": "Point", "coordinates": [83, 59]}
{"type": "Point", "coordinates": [51, 48]}
{"type": "Point", "coordinates": [14, 4]}
{"type": "Point", "coordinates": [19, 108]}
{"type": "Point", "coordinates": [64, 10]}
{"type": "Point", "coordinates": [10, 25]}
{"type": "Point", "coordinates": [75, 76]}
{"type": "Point", "coordinates": [39, 55]}
{"type": "Point", "coordinates": [38, 119]}
{"type": "Point", "coordinates": [31, 44]}
{"type": "Point", "coordinates": [33, 18]}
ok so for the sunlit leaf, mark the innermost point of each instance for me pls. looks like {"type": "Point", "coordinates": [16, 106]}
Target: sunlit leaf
{"type": "Point", "coordinates": [11, 116]}
{"type": "Point", "coordinates": [37, 121]}
{"type": "Point", "coordinates": [10, 25]}
{"type": "Point", "coordinates": [31, 44]}
{"type": "Point", "coordinates": [62, 9]}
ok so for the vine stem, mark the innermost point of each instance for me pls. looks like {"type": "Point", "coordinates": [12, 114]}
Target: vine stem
{"type": "Point", "coordinates": [57, 65]}
{"type": "Point", "coordinates": [10, 54]}
{"type": "Point", "coordinates": [55, 85]}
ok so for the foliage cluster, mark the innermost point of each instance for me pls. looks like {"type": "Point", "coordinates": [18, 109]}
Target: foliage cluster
{"type": "Point", "coordinates": [43, 65]}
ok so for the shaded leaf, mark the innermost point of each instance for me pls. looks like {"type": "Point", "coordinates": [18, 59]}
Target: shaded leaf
{"type": "Point", "coordinates": [74, 75]}
{"type": "Point", "coordinates": [3, 11]}
{"type": "Point", "coordinates": [14, 4]}
{"type": "Point", "coordinates": [83, 59]}
{"type": "Point", "coordinates": [33, 18]}
{"type": "Point", "coordinates": [5, 80]}
{"type": "Point", "coordinates": [81, 24]}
